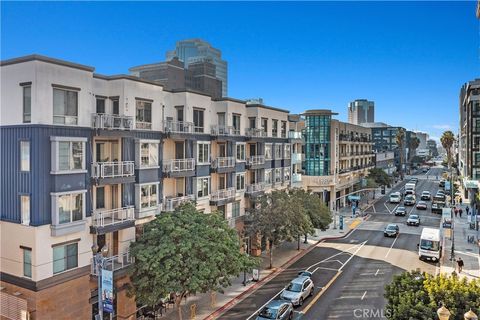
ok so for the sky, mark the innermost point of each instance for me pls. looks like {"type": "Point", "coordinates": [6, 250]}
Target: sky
{"type": "Point", "coordinates": [411, 58]}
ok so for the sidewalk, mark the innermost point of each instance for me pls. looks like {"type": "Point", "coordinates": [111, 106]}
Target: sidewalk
{"type": "Point", "coordinates": [283, 255]}
{"type": "Point", "coordinates": [469, 252]}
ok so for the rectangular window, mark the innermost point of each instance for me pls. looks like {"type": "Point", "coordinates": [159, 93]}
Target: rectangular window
{"type": "Point", "coordinates": [274, 128]}
{"type": "Point", "coordinates": [203, 187]}
{"type": "Point", "coordinates": [148, 154]}
{"type": "Point", "coordinates": [143, 115]}
{"type": "Point", "coordinates": [65, 106]}
{"type": "Point", "coordinates": [268, 151]}
{"type": "Point", "coordinates": [265, 124]}
{"type": "Point", "coordinates": [65, 257]}
{"type": "Point", "coordinates": [198, 120]}
{"type": "Point", "coordinates": [236, 209]}
{"type": "Point", "coordinates": [236, 123]}
{"type": "Point", "coordinates": [70, 208]}
{"type": "Point", "coordinates": [27, 262]}
{"type": "Point", "coordinates": [203, 153]}
{"type": "Point", "coordinates": [148, 196]}
{"type": "Point", "coordinates": [27, 104]}
{"type": "Point", "coordinates": [240, 183]}
{"type": "Point", "coordinates": [71, 155]}
{"type": "Point", "coordinates": [268, 176]}
{"type": "Point", "coordinates": [100, 105]}
{"type": "Point", "coordinates": [240, 151]}
{"type": "Point", "coordinates": [116, 107]}
{"type": "Point", "coordinates": [278, 175]}
{"type": "Point", "coordinates": [278, 151]}
{"type": "Point", "coordinates": [284, 129]}
{"type": "Point", "coordinates": [100, 197]}
{"type": "Point", "coordinates": [25, 155]}
{"type": "Point", "coordinates": [286, 152]}
{"type": "Point", "coordinates": [25, 209]}
{"type": "Point", "coordinates": [252, 121]}
{"type": "Point", "coordinates": [286, 174]}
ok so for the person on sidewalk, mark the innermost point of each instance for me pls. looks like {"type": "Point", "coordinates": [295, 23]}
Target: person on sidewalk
{"type": "Point", "coordinates": [460, 211]}
{"type": "Point", "coordinates": [456, 212]}
{"type": "Point", "coordinates": [460, 200]}
{"type": "Point", "coordinates": [460, 264]}
{"type": "Point", "coordinates": [467, 209]}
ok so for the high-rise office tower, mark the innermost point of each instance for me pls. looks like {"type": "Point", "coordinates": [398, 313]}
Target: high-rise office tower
{"type": "Point", "coordinates": [361, 111]}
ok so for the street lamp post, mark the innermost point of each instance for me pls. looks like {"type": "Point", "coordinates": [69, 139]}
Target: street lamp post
{"type": "Point", "coordinates": [98, 262]}
{"type": "Point", "coordinates": [443, 313]}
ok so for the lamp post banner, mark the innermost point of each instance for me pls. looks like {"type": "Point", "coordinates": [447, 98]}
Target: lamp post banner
{"type": "Point", "coordinates": [107, 290]}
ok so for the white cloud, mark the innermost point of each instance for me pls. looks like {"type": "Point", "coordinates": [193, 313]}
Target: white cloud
{"type": "Point", "coordinates": [442, 126]}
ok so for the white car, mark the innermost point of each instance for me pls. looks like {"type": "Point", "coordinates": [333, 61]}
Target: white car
{"type": "Point", "coordinates": [298, 290]}
{"type": "Point", "coordinates": [395, 197]}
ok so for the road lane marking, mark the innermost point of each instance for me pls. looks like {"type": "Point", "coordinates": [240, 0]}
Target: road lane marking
{"type": "Point", "coordinates": [258, 310]}
{"type": "Point", "coordinates": [377, 272]}
{"type": "Point", "coordinates": [393, 243]}
{"type": "Point", "coordinates": [315, 299]}
{"type": "Point", "coordinates": [324, 268]}
{"type": "Point", "coordinates": [353, 255]}
{"type": "Point", "coordinates": [385, 204]}
{"type": "Point", "coordinates": [363, 295]}
{"type": "Point", "coordinates": [354, 224]}
{"type": "Point", "coordinates": [337, 254]}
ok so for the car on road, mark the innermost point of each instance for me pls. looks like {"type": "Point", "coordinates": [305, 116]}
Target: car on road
{"type": "Point", "coordinates": [426, 195]}
{"type": "Point", "coordinates": [439, 197]}
{"type": "Point", "coordinates": [395, 197]}
{"type": "Point", "coordinates": [422, 205]}
{"type": "Point", "coordinates": [298, 290]}
{"type": "Point", "coordinates": [437, 207]}
{"type": "Point", "coordinates": [391, 230]}
{"type": "Point", "coordinates": [425, 170]}
{"type": "Point", "coordinates": [400, 211]}
{"type": "Point", "coordinates": [409, 191]}
{"type": "Point", "coordinates": [409, 200]}
{"type": "Point", "coordinates": [413, 220]}
{"type": "Point", "coordinates": [305, 273]}
{"type": "Point", "coordinates": [414, 179]}
{"type": "Point", "coordinates": [441, 184]}
{"type": "Point", "coordinates": [277, 310]}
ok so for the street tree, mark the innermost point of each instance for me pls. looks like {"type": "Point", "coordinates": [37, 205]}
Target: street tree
{"type": "Point", "coordinates": [299, 222]}
{"type": "Point", "coordinates": [379, 176]}
{"type": "Point", "coordinates": [400, 140]}
{"type": "Point", "coordinates": [185, 252]}
{"type": "Point", "coordinates": [447, 140]}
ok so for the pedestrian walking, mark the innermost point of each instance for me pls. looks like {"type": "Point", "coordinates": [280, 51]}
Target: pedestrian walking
{"type": "Point", "coordinates": [461, 200]}
{"type": "Point", "coordinates": [460, 211]}
{"type": "Point", "coordinates": [467, 209]}
{"type": "Point", "coordinates": [460, 265]}
{"type": "Point", "coordinates": [456, 212]}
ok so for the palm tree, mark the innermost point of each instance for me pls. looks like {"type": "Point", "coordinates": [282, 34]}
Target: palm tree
{"type": "Point", "coordinates": [413, 145]}
{"type": "Point", "coordinates": [447, 140]}
{"type": "Point", "coordinates": [400, 139]}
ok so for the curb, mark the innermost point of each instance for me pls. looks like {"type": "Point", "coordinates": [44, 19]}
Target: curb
{"type": "Point", "coordinates": [227, 306]}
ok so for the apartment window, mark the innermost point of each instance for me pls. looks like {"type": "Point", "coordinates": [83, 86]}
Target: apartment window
{"type": "Point", "coordinates": [240, 183]}
{"type": "Point", "coordinates": [143, 115]}
{"type": "Point", "coordinates": [148, 154]}
{"type": "Point", "coordinates": [203, 153]}
{"type": "Point", "coordinates": [27, 104]}
{"type": "Point", "coordinates": [274, 128]}
{"type": "Point", "coordinates": [286, 153]}
{"type": "Point", "coordinates": [68, 154]}
{"type": "Point", "coordinates": [268, 151]}
{"type": "Point", "coordinates": [100, 197]}
{"type": "Point", "coordinates": [198, 120]}
{"type": "Point", "coordinates": [236, 209]}
{"type": "Point", "coordinates": [284, 129]}
{"type": "Point", "coordinates": [116, 107]}
{"type": "Point", "coordinates": [278, 151]}
{"type": "Point", "coordinates": [65, 257]}
{"type": "Point", "coordinates": [236, 123]}
{"type": "Point", "coordinates": [25, 209]}
{"type": "Point", "coordinates": [25, 155]}
{"type": "Point", "coordinates": [100, 105]}
{"type": "Point", "coordinates": [27, 262]}
{"type": "Point", "coordinates": [240, 151]}
{"type": "Point", "coordinates": [278, 175]}
{"type": "Point", "coordinates": [203, 187]}
{"type": "Point", "coordinates": [268, 176]}
{"type": "Point", "coordinates": [265, 124]}
{"type": "Point", "coordinates": [65, 106]}
{"type": "Point", "coordinates": [148, 196]}
{"type": "Point", "coordinates": [71, 207]}
{"type": "Point", "coordinates": [286, 174]}
{"type": "Point", "coordinates": [252, 122]}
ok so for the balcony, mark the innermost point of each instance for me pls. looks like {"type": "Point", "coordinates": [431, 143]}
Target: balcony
{"type": "Point", "coordinates": [143, 125]}
{"type": "Point", "coordinates": [255, 133]}
{"type": "Point", "coordinates": [173, 202]}
{"type": "Point", "coordinates": [112, 220]}
{"type": "Point", "coordinates": [113, 263]}
{"type": "Point", "coordinates": [111, 121]}
{"type": "Point", "coordinates": [254, 190]}
{"type": "Point", "coordinates": [177, 127]}
{"type": "Point", "coordinates": [297, 158]}
{"type": "Point", "coordinates": [256, 161]}
{"type": "Point", "coordinates": [179, 167]}
{"type": "Point", "coordinates": [221, 130]}
{"type": "Point", "coordinates": [224, 164]}
{"type": "Point", "coordinates": [296, 178]}
{"type": "Point", "coordinates": [294, 135]}
{"type": "Point", "coordinates": [116, 169]}
{"type": "Point", "coordinates": [221, 197]}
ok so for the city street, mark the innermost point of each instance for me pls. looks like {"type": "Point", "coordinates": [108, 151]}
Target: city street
{"type": "Point", "coordinates": [350, 273]}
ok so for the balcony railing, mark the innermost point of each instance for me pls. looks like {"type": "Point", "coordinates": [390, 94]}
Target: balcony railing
{"type": "Point", "coordinates": [294, 135]}
{"type": "Point", "coordinates": [179, 165]}
{"type": "Point", "coordinates": [355, 168]}
{"type": "Point", "coordinates": [257, 133]}
{"type": "Point", "coordinates": [111, 121]}
{"type": "Point", "coordinates": [114, 216]}
{"type": "Point", "coordinates": [256, 160]}
{"type": "Point", "coordinates": [178, 126]}
{"type": "Point", "coordinates": [223, 162]}
{"type": "Point", "coordinates": [220, 130]}
{"type": "Point", "coordinates": [172, 202]}
{"type": "Point", "coordinates": [254, 188]}
{"type": "Point", "coordinates": [223, 194]}
{"type": "Point", "coordinates": [113, 169]}
{"type": "Point", "coordinates": [143, 125]}
{"type": "Point", "coordinates": [296, 177]}
{"type": "Point", "coordinates": [112, 263]}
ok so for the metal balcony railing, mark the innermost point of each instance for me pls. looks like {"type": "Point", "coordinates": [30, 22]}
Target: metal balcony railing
{"type": "Point", "coordinates": [112, 263]}
{"type": "Point", "coordinates": [172, 202]}
{"type": "Point", "coordinates": [143, 125]}
{"type": "Point", "coordinates": [221, 130]}
{"type": "Point", "coordinates": [294, 135]}
{"type": "Point", "coordinates": [223, 194]}
{"type": "Point", "coordinates": [110, 217]}
{"type": "Point", "coordinates": [256, 187]}
{"type": "Point", "coordinates": [113, 169]}
{"type": "Point", "coordinates": [111, 121]}
{"type": "Point", "coordinates": [296, 177]}
{"type": "Point", "coordinates": [178, 126]}
{"type": "Point", "coordinates": [223, 162]}
{"type": "Point", "coordinates": [179, 165]}
{"type": "Point", "coordinates": [256, 160]}
{"type": "Point", "coordinates": [253, 132]}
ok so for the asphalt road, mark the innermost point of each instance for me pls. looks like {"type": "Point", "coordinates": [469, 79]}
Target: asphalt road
{"type": "Point", "coordinates": [350, 273]}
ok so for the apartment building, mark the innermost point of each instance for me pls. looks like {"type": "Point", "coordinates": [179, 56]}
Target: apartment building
{"type": "Point", "coordinates": [337, 156]}
{"type": "Point", "coordinates": [87, 159]}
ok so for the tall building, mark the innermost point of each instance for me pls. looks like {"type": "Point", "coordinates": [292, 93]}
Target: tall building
{"type": "Point", "coordinates": [195, 50]}
{"type": "Point", "coordinates": [432, 147]}
{"type": "Point", "coordinates": [88, 159]}
{"type": "Point", "coordinates": [337, 156]}
{"type": "Point", "coordinates": [469, 137]}
{"type": "Point", "coordinates": [423, 138]}
{"type": "Point", "coordinates": [361, 111]}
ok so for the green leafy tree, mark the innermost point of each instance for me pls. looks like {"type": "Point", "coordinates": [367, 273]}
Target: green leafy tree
{"type": "Point", "coordinates": [184, 252]}
{"type": "Point", "coordinates": [299, 222]}
{"type": "Point", "coordinates": [400, 140]}
{"type": "Point", "coordinates": [379, 176]}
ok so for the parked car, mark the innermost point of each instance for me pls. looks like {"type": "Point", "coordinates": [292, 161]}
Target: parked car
{"type": "Point", "coordinates": [298, 290]}
{"type": "Point", "coordinates": [426, 195]}
{"type": "Point", "coordinates": [391, 230]}
{"type": "Point", "coordinates": [276, 309]}
{"type": "Point", "coordinates": [413, 220]}
{"type": "Point", "coordinates": [400, 211]}
{"type": "Point", "coordinates": [409, 200]}
{"type": "Point", "coordinates": [422, 205]}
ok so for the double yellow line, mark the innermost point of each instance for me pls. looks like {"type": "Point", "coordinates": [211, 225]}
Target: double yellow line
{"type": "Point", "coordinates": [315, 299]}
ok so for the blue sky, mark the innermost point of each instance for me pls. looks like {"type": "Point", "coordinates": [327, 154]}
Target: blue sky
{"type": "Point", "coordinates": [411, 58]}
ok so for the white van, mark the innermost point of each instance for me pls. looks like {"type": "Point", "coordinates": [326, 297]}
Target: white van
{"type": "Point", "coordinates": [410, 186]}
{"type": "Point", "coordinates": [430, 246]}
{"type": "Point", "coordinates": [395, 197]}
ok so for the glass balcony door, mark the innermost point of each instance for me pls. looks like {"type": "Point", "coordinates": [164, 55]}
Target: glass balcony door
{"type": "Point", "coordinates": [107, 151]}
